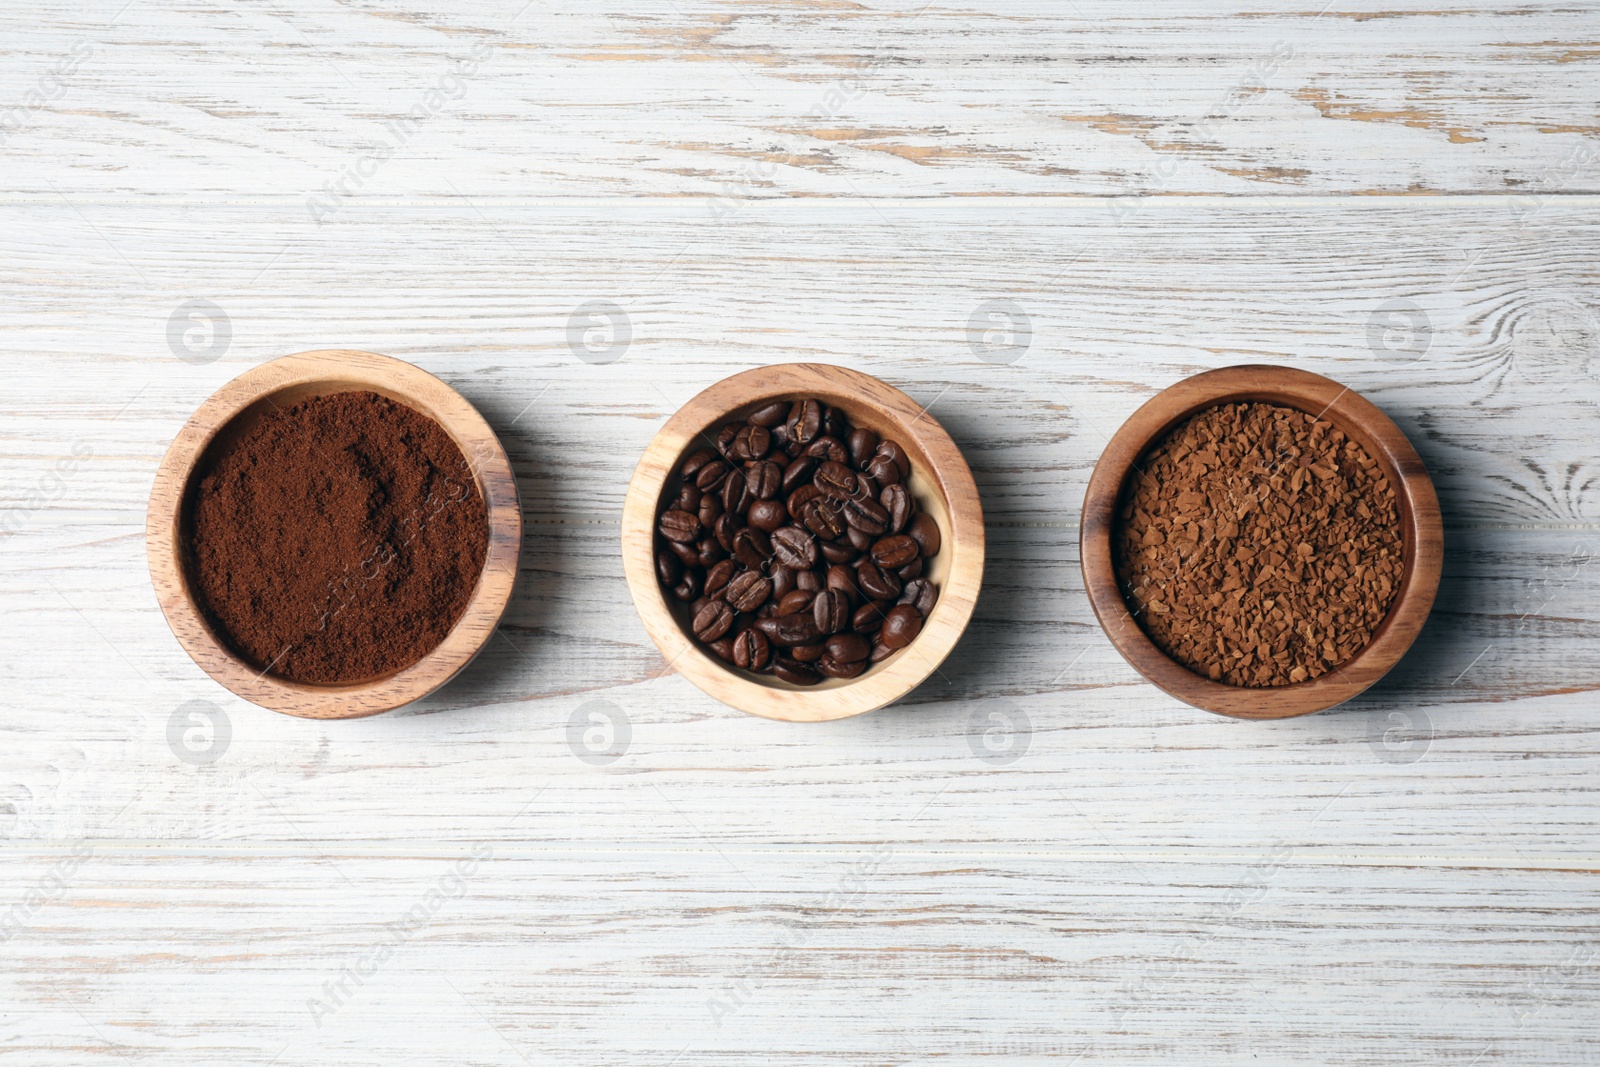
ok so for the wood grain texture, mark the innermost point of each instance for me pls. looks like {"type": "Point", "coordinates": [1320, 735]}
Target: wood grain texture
{"type": "Point", "coordinates": [725, 102]}
{"type": "Point", "coordinates": [1419, 523]}
{"type": "Point", "coordinates": [939, 479]}
{"type": "Point", "coordinates": [1034, 854]}
{"type": "Point", "coordinates": [279, 384]}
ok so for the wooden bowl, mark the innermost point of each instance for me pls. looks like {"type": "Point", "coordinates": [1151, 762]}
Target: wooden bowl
{"type": "Point", "coordinates": [1421, 530]}
{"type": "Point", "coordinates": [279, 383]}
{"type": "Point", "coordinates": [939, 479]}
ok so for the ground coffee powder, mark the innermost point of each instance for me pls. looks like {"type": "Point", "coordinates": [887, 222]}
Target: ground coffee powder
{"type": "Point", "coordinates": [1258, 546]}
{"type": "Point", "coordinates": [337, 540]}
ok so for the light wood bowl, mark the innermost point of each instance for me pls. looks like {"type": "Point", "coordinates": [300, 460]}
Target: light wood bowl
{"type": "Point", "coordinates": [279, 383]}
{"type": "Point", "coordinates": [1418, 506]}
{"type": "Point", "coordinates": [940, 480]}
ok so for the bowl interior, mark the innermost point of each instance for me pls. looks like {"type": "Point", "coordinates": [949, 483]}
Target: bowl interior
{"type": "Point", "coordinates": [924, 484]}
{"type": "Point", "coordinates": [1343, 417]}
{"type": "Point", "coordinates": [246, 419]}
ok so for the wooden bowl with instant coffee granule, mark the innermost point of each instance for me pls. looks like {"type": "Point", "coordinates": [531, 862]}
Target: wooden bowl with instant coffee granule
{"type": "Point", "coordinates": [877, 544]}
{"type": "Point", "coordinates": [334, 534]}
{"type": "Point", "coordinates": [1261, 542]}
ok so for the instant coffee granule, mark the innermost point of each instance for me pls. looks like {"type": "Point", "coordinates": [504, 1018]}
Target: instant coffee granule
{"type": "Point", "coordinates": [1258, 545]}
{"type": "Point", "coordinates": [337, 540]}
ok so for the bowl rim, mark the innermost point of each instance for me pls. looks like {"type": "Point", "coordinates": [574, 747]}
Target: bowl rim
{"type": "Point", "coordinates": [1416, 498]}
{"type": "Point", "coordinates": [964, 539]}
{"type": "Point", "coordinates": [355, 370]}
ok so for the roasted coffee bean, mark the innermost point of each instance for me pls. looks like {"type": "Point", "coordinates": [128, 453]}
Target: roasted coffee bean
{"type": "Point", "coordinates": [752, 548]}
{"type": "Point", "coordinates": [791, 540]}
{"type": "Point", "coordinates": [794, 547]}
{"type": "Point", "coordinates": [752, 650]}
{"type": "Point", "coordinates": [828, 450]}
{"type": "Point", "coordinates": [866, 488]}
{"type": "Point", "coordinates": [747, 591]}
{"type": "Point", "coordinates": [669, 568]}
{"type": "Point", "coordinates": [868, 617]}
{"type": "Point", "coordinates": [764, 479]}
{"type": "Point", "coordinates": [837, 552]}
{"type": "Point", "coordinates": [831, 610]}
{"type": "Point", "coordinates": [770, 415]}
{"type": "Point", "coordinates": [848, 648]}
{"type": "Point", "coordinates": [712, 620]}
{"type": "Point", "coordinates": [868, 516]}
{"type": "Point", "coordinates": [805, 422]}
{"type": "Point", "coordinates": [900, 626]}
{"type": "Point", "coordinates": [692, 465]}
{"type": "Point", "coordinates": [798, 473]}
{"type": "Point", "coordinates": [862, 443]}
{"type": "Point", "coordinates": [718, 577]}
{"type": "Point", "coordinates": [894, 551]}
{"type": "Point", "coordinates": [794, 672]}
{"type": "Point", "coordinates": [883, 469]}
{"type": "Point", "coordinates": [832, 668]}
{"type": "Point", "coordinates": [767, 515]}
{"type": "Point", "coordinates": [724, 530]}
{"type": "Point", "coordinates": [679, 526]}
{"type": "Point", "coordinates": [893, 451]}
{"type": "Point", "coordinates": [920, 594]}
{"type": "Point", "coordinates": [735, 495]}
{"type": "Point", "coordinates": [881, 651]}
{"type": "Point", "coordinates": [751, 442]}
{"type": "Point", "coordinates": [925, 532]}
{"type": "Point", "coordinates": [797, 629]}
{"type": "Point", "coordinates": [836, 480]}
{"type": "Point", "coordinates": [807, 653]}
{"type": "Point", "coordinates": [710, 509]}
{"type": "Point", "coordinates": [801, 497]}
{"type": "Point", "coordinates": [876, 582]}
{"type": "Point", "coordinates": [710, 476]}
{"type": "Point", "coordinates": [782, 581]}
{"type": "Point", "coordinates": [710, 552]}
{"type": "Point", "coordinates": [821, 516]}
{"type": "Point", "coordinates": [688, 587]}
{"type": "Point", "coordinates": [794, 602]}
{"type": "Point", "coordinates": [896, 499]}
{"type": "Point", "coordinates": [843, 579]}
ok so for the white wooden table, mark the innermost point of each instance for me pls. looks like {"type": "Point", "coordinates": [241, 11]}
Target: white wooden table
{"type": "Point", "coordinates": [1029, 215]}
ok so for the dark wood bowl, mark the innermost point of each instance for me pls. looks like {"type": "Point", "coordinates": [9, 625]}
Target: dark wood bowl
{"type": "Point", "coordinates": [1421, 530]}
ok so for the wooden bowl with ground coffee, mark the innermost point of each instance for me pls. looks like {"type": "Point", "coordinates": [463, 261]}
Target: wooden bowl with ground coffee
{"type": "Point", "coordinates": [803, 542]}
{"type": "Point", "coordinates": [334, 534]}
{"type": "Point", "coordinates": [1261, 542]}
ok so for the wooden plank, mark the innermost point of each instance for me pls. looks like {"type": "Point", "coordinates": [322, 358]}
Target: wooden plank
{"type": "Point", "coordinates": [720, 103]}
{"type": "Point", "coordinates": [1116, 307]}
{"type": "Point", "coordinates": [852, 955]}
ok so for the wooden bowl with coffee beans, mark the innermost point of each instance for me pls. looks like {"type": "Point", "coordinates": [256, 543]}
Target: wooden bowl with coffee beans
{"type": "Point", "coordinates": [803, 542]}
{"type": "Point", "coordinates": [334, 534]}
{"type": "Point", "coordinates": [1261, 542]}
